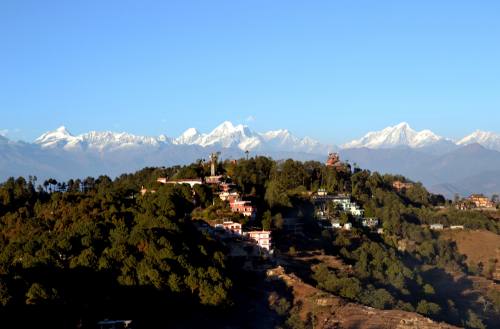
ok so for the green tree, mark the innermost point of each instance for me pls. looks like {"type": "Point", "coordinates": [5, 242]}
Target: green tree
{"type": "Point", "coordinates": [428, 308]}
{"type": "Point", "coordinates": [276, 195]}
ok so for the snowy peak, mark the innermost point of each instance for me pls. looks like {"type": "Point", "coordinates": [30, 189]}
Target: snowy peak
{"type": "Point", "coordinates": [59, 133]}
{"type": "Point", "coordinates": [190, 136]}
{"type": "Point", "coordinates": [282, 134]}
{"type": "Point", "coordinates": [62, 138]}
{"type": "Point", "coordinates": [59, 137]}
{"type": "Point", "coordinates": [229, 135]}
{"type": "Point", "coordinates": [426, 138]}
{"type": "Point", "coordinates": [226, 135]}
{"type": "Point", "coordinates": [485, 138]}
{"type": "Point", "coordinates": [63, 131]}
{"type": "Point", "coordinates": [396, 136]}
{"type": "Point", "coordinates": [402, 135]}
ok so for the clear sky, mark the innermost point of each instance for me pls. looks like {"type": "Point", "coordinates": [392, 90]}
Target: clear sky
{"type": "Point", "coordinates": [331, 70]}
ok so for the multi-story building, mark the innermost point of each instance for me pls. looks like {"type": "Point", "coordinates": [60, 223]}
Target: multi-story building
{"type": "Point", "coordinates": [243, 207]}
{"type": "Point", "coordinates": [481, 201]}
{"type": "Point", "coordinates": [232, 227]}
{"type": "Point", "coordinates": [347, 205]}
{"type": "Point", "coordinates": [229, 196]}
{"type": "Point", "coordinates": [263, 238]}
{"type": "Point", "coordinates": [322, 199]}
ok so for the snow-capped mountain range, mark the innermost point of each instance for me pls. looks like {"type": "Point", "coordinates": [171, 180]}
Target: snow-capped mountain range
{"type": "Point", "coordinates": [226, 135]}
{"type": "Point", "coordinates": [396, 136]}
{"type": "Point", "coordinates": [402, 135]}
{"type": "Point", "coordinates": [468, 165]}
{"type": "Point", "coordinates": [62, 138]}
{"type": "Point", "coordinates": [484, 138]}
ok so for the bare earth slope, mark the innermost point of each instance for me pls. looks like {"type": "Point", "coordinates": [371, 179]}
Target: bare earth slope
{"type": "Point", "coordinates": [478, 246]}
{"type": "Point", "coordinates": [330, 311]}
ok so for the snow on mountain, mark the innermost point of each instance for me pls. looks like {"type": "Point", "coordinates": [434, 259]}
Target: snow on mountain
{"type": "Point", "coordinates": [62, 138]}
{"type": "Point", "coordinates": [484, 138]}
{"type": "Point", "coordinates": [420, 155]}
{"type": "Point", "coordinates": [396, 136]}
{"type": "Point", "coordinates": [108, 139]}
{"type": "Point", "coordinates": [226, 135]}
{"type": "Point", "coordinates": [283, 139]}
{"type": "Point", "coordinates": [274, 134]}
{"type": "Point", "coordinates": [3, 140]}
{"type": "Point", "coordinates": [189, 137]}
{"type": "Point", "coordinates": [59, 137]}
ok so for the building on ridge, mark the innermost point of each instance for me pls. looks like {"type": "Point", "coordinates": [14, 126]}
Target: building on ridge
{"type": "Point", "coordinates": [334, 162]}
{"type": "Point", "coordinates": [191, 182]}
{"type": "Point", "coordinates": [481, 201]}
{"type": "Point", "coordinates": [401, 186]}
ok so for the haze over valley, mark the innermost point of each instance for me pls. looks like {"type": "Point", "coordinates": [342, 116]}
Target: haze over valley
{"type": "Point", "coordinates": [468, 165]}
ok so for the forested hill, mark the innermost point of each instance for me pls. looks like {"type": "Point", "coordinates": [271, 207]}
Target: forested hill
{"type": "Point", "coordinates": [75, 252]}
{"type": "Point", "coordinates": [103, 249]}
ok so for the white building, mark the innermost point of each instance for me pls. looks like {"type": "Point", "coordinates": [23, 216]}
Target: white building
{"type": "Point", "coordinates": [437, 227]}
{"type": "Point", "coordinates": [355, 210]}
{"type": "Point", "coordinates": [336, 224]}
{"type": "Point", "coordinates": [347, 226]}
{"type": "Point", "coordinates": [233, 227]}
{"type": "Point", "coordinates": [228, 196]}
{"type": "Point", "coordinates": [322, 192]}
{"type": "Point", "coordinates": [190, 182]}
{"type": "Point", "coordinates": [347, 205]}
{"type": "Point", "coordinates": [263, 238]}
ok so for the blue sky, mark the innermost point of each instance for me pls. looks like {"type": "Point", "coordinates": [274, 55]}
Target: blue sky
{"type": "Point", "coordinates": [331, 70]}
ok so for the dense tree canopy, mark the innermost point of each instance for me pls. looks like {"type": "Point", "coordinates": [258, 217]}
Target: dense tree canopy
{"type": "Point", "coordinates": [87, 240]}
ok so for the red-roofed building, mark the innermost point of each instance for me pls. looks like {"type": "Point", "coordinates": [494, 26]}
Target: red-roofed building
{"type": "Point", "coordinates": [243, 207]}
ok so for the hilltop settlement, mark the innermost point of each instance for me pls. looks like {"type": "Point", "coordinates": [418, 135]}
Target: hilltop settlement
{"type": "Point", "coordinates": [246, 243]}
